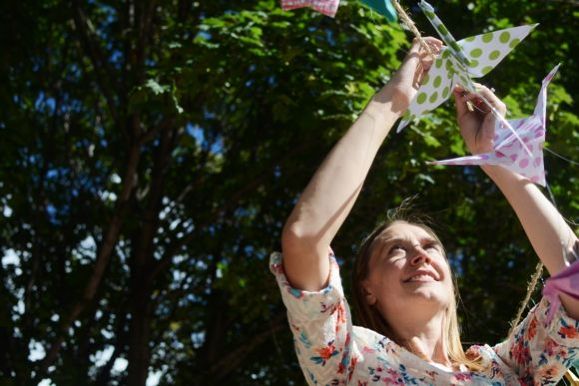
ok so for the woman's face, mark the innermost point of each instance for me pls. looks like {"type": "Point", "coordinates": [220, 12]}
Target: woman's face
{"type": "Point", "coordinates": [408, 272]}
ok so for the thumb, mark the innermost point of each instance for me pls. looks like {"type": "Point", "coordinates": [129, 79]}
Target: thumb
{"type": "Point", "coordinates": [460, 102]}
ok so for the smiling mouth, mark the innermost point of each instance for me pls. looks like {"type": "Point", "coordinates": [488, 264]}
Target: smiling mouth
{"type": "Point", "coordinates": [421, 277]}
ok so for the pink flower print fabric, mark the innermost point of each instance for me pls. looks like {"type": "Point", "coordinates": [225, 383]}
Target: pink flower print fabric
{"type": "Point", "coordinates": [333, 351]}
{"type": "Point", "coordinates": [326, 7]}
{"type": "Point", "coordinates": [543, 347]}
{"type": "Point", "coordinates": [508, 151]}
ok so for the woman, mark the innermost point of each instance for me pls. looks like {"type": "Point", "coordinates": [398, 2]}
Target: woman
{"type": "Point", "coordinates": [403, 282]}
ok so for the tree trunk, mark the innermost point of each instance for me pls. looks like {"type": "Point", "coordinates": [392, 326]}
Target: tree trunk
{"type": "Point", "coordinates": [139, 335]}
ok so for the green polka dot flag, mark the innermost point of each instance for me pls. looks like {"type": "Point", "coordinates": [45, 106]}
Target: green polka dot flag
{"type": "Point", "coordinates": [460, 62]}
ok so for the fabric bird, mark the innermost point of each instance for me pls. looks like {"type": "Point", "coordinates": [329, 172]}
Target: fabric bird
{"type": "Point", "coordinates": [459, 62]}
{"type": "Point", "coordinates": [508, 152]}
{"type": "Point", "coordinates": [326, 7]}
{"type": "Point", "coordinates": [566, 282]}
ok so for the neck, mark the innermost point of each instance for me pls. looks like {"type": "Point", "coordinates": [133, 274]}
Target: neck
{"type": "Point", "coordinates": [423, 337]}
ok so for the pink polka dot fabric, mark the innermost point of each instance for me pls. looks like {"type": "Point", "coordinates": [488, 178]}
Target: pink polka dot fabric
{"type": "Point", "coordinates": [567, 282]}
{"type": "Point", "coordinates": [508, 151]}
{"type": "Point", "coordinates": [326, 7]}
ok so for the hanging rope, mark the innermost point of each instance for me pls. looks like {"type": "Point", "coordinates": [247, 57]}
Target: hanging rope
{"type": "Point", "coordinates": [575, 163]}
{"type": "Point", "coordinates": [530, 289]}
{"type": "Point", "coordinates": [409, 23]}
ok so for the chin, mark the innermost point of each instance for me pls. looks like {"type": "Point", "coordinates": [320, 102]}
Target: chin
{"type": "Point", "coordinates": [430, 296]}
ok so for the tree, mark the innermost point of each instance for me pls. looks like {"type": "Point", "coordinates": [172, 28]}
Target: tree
{"type": "Point", "coordinates": [152, 150]}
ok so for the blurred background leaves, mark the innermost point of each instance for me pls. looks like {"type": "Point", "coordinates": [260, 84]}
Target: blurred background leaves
{"type": "Point", "coordinates": [151, 151]}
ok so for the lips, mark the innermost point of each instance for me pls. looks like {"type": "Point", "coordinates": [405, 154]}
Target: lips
{"type": "Point", "coordinates": [421, 276]}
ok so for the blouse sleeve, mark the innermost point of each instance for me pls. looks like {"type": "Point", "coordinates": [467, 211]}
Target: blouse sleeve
{"type": "Point", "coordinates": [541, 350]}
{"type": "Point", "coordinates": [321, 325]}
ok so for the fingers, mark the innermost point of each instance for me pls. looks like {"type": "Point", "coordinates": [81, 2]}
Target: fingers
{"type": "Point", "coordinates": [477, 126]}
{"type": "Point", "coordinates": [433, 43]}
{"type": "Point", "coordinates": [490, 96]}
{"type": "Point", "coordinates": [427, 56]}
{"type": "Point", "coordinates": [418, 51]}
{"type": "Point", "coordinates": [414, 66]}
{"type": "Point", "coordinates": [486, 134]}
{"type": "Point", "coordinates": [482, 101]}
{"type": "Point", "coordinates": [417, 62]}
{"type": "Point", "coordinates": [460, 98]}
{"type": "Point", "coordinates": [483, 94]}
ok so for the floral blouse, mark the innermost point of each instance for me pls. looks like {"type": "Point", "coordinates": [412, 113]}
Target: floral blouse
{"type": "Point", "coordinates": [331, 351]}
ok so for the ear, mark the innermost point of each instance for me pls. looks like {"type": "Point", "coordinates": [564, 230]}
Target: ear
{"type": "Point", "coordinates": [368, 294]}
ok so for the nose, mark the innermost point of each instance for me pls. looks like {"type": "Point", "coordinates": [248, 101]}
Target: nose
{"type": "Point", "coordinates": [420, 256]}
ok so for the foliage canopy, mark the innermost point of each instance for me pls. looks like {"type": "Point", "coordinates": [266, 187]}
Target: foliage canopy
{"type": "Point", "coordinates": [151, 152]}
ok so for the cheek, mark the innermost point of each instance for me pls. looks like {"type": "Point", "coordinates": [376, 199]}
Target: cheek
{"type": "Point", "coordinates": [448, 281]}
{"type": "Point", "coordinates": [387, 266]}
{"type": "Point", "coordinates": [386, 276]}
{"type": "Point", "coordinates": [444, 268]}
{"type": "Point", "coordinates": [442, 263]}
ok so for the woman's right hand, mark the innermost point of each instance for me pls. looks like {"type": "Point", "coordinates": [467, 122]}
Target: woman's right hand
{"type": "Point", "coordinates": [406, 81]}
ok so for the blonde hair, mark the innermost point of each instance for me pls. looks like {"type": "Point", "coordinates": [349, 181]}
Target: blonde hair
{"type": "Point", "coordinates": [370, 317]}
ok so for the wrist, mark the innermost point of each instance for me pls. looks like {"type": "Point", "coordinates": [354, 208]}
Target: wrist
{"type": "Point", "coordinates": [380, 109]}
{"type": "Point", "coordinates": [392, 98]}
{"type": "Point", "coordinates": [494, 171]}
{"type": "Point", "coordinates": [500, 175]}
{"type": "Point", "coordinates": [490, 170]}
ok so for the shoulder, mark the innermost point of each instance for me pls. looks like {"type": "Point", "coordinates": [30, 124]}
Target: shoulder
{"type": "Point", "coordinates": [494, 366]}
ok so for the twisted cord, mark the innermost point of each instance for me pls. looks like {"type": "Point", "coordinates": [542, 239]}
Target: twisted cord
{"type": "Point", "coordinates": [530, 289]}
{"type": "Point", "coordinates": [409, 23]}
{"type": "Point", "coordinates": [560, 156]}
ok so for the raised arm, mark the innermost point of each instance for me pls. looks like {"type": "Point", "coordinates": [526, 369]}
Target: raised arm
{"type": "Point", "coordinates": [332, 191]}
{"type": "Point", "coordinates": [546, 229]}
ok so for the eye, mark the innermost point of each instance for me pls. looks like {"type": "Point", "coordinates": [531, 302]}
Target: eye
{"type": "Point", "coordinates": [431, 246]}
{"type": "Point", "coordinates": [395, 249]}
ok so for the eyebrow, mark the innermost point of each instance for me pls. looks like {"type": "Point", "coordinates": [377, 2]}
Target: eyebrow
{"type": "Point", "coordinates": [391, 240]}
{"type": "Point", "coordinates": [387, 241]}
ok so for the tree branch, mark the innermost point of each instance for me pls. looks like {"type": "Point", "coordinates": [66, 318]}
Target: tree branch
{"type": "Point", "coordinates": [144, 251]}
{"type": "Point", "coordinates": [173, 249]}
{"type": "Point", "coordinates": [102, 260]}
{"type": "Point", "coordinates": [229, 362]}
{"type": "Point", "coordinates": [574, 3]}
{"type": "Point", "coordinates": [104, 373]}
{"type": "Point", "coordinates": [103, 72]}
{"type": "Point", "coordinates": [152, 133]}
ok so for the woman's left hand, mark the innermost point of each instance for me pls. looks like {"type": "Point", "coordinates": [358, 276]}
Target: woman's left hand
{"type": "Point", "coordinates": [477, 126]}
